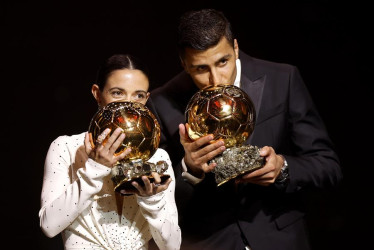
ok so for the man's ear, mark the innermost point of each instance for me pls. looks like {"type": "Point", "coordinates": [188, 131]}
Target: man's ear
{"type": "Point", "coordinates": [95, 90]}
{"type": "Point", "coordinates": [236, 49]}
{"type": "Point", "coordinates": [183, 64]}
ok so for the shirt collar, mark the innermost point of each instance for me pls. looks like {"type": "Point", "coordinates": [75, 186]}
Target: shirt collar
{"type": "Point", "coordinates": [238, 73]}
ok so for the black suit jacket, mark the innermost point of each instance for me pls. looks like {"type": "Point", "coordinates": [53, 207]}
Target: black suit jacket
{"type": "Point", "coordinates": [286, 119]}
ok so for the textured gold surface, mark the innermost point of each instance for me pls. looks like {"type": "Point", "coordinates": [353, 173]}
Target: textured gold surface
{"type": "Point", "coordinates": [237, 161]}
{"type": "Point", "coordinates": [125, 173]}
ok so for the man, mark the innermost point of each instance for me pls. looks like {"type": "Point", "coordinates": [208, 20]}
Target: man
{"type": "Point", "coordinates": [262, 209]}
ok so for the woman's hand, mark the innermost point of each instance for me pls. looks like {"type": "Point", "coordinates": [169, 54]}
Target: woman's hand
{"type": "Point", "coordinates": [104, 153]}
{"type": "Point", "coordinates": [149, 188]}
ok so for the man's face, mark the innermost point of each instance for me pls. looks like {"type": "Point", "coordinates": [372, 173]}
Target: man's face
{"type": "Point", "coordinates": [216, 65]}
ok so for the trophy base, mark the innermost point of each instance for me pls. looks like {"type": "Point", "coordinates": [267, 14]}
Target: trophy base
{"type": "Point", "coordinates": [126, 184]}
{"type": "Point", "coordinates": [126, 172]}
{"type": "Point", "coordinates": [236, 161]}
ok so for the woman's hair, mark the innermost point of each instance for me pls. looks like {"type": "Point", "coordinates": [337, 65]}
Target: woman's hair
{"type": "Point", "coordinates": [202, 29]}
{"type": "Point", "coordinates": [116, 62]}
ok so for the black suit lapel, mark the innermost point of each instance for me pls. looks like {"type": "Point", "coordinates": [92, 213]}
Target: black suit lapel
{"type": "Point", "coordinates": [254, 89]}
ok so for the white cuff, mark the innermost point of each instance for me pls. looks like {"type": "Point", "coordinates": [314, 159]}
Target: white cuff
{"type": "Point", "coordinates": [189, 177]}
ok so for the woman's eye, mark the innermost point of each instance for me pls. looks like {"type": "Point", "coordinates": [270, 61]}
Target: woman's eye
{"type": "Point", "coordinates": [117, 93]}
{"type": "Point", "coordinates": [139, 97]}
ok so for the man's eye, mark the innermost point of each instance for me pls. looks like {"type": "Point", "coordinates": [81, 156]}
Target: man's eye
{"type": "Point", "coordinates": [201, 68]}
{"type": "Point", "coordinates": [223, 62]}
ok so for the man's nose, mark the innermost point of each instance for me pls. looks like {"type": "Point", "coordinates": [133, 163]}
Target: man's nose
{"type": "Point", "coordinates": [214, 78]}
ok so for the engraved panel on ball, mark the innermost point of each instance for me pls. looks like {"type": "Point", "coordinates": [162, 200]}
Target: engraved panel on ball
{"type": "Point", "coordinates": [228, 113]}
{"type": "Point", "coordinates": [142, 132]}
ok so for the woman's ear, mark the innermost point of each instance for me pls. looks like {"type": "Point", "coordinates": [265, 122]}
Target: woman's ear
{"type": "Point", "coordinates": [95, 90]}
{"type": "Point", "coordinates": [148, 94]}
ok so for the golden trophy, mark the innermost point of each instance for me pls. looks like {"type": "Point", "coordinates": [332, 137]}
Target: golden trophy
{"type": "Point", "coordinates": [228, 113]}
{"type": "Point", "coordinates": [142, 136]}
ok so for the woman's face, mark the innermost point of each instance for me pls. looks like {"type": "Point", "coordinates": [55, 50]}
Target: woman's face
{"type": "Point", "coordinates": [123, 85]}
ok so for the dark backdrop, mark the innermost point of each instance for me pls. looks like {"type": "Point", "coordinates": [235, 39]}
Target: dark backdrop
{"type": "Point", "coordinates": [51, 52]}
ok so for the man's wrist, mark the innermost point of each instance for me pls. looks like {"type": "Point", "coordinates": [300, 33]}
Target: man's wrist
{"type": "Point", "coordinates": [188, 176]}
{"type": "Point", "coordinates": [283, 176]}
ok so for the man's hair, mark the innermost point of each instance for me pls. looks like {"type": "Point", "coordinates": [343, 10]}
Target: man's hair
{"type": "Point", "coordinates": [116, 62]}
{"type": "Point", "coordinates": [202, 29]}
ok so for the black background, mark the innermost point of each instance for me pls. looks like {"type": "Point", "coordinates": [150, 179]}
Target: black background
{"type": "Point", "coordinates": [51, 52]}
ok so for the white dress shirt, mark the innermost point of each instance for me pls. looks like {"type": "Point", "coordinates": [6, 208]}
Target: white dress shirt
{"type": "Point", "coordinates": [78, 201]}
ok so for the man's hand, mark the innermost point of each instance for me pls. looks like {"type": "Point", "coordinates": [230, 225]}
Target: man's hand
{"type": "Point", "coordinates": [268, 173]}
{"type": "Point", "coordinates": [199, 152]}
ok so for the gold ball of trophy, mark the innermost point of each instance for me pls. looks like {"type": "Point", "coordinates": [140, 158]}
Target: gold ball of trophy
{"type": "Point", "coordinates": [224, 111]}
{"type": "Point", "coordinates": [142, 132]}
{"type": "Point", "coordinates": [228, 113]}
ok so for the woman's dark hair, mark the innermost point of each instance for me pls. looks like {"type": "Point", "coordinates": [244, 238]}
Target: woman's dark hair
{"type": "Point", "coordinates": [202, 29]}
{"type": "Point", "coordinates": [119, 61]}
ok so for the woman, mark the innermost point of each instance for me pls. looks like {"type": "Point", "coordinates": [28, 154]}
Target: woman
{"type": "Point", "coordinates": [77, 197]}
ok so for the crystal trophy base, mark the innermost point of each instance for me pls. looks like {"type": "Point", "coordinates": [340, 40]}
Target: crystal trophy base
{"type": "Point", "coordinates": [126, 172]}
{"type": "Point", "coordinates": [236, 161]}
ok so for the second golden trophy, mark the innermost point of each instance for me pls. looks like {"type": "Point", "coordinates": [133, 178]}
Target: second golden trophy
{"type": "Point", "coordinates": [228, 113]}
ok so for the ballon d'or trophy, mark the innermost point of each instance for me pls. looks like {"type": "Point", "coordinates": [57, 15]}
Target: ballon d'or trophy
{"type": "Point", "coordinates": [228, 113]}
{"type": "Point", "coordinates": [142, 136]}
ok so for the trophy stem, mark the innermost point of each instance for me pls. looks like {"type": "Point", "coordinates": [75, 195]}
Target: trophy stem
{"type": "Point", "coordinates": [126, 172]}
{"type": "Point", "coordinates": [236, 161]}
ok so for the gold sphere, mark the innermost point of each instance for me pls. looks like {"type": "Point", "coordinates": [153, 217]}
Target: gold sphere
{"type": "Point", "coordinates": [225, 111]}
{"type": "Point", "coordinates": [138, 123]}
